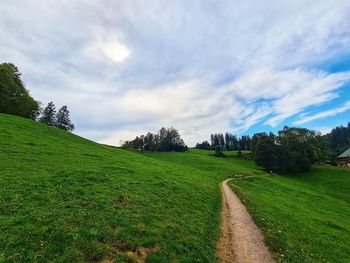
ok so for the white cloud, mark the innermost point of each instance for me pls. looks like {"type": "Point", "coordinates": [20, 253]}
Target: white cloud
{"type": "Point", "coordinates": [324, 114]}
{"type": "Point", "coordinates": [188, 105]}
{"type": "Point", "coordinates": [202, 67]}
{"type": "Point", "coordinates": [311, 89]}
{"type": "Point", "coordinates": [286, 92]}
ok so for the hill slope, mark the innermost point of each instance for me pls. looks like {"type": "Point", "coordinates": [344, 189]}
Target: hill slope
{"type": "Point", "coordinates": [67, 199]}
{"type": "Point", "coordinates": [305, 217]}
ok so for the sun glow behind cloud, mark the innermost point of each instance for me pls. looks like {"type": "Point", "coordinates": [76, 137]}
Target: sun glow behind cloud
{"type": "Point", "coordinates": [114, 50]}
{"type": "Point", "coordinates": [108, 47]}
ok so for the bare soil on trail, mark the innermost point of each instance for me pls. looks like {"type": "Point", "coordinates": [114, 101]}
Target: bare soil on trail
{"type": "Point", "coordinates": [241, 241]}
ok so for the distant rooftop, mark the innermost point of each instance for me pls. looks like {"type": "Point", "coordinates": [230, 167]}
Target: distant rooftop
{"type": "Point", "coordinates": [345, 154]}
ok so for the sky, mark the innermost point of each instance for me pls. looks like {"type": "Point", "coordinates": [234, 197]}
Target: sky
{"type": "Point", "coordinates": [128, 67]}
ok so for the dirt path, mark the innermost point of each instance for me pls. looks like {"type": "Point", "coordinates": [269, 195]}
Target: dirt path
{"type": "Point", "coordinates": [241, 241]}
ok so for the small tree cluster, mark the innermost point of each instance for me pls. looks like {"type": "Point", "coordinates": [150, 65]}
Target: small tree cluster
{"type": "Point", "coordinates": [205, 145]}
{"type": "Point", "coordinates": [16, 100]}
{"type": "Point", "coordinates": [14, 97]}
{"type": "Point", "coordinates": [227, 142]}
{"type": "Point", "coordinates": [292, 150]}
{"type": "Point", "coordinates": [166, 140]}
{"type": "Point", "coordinates": [61, 119]}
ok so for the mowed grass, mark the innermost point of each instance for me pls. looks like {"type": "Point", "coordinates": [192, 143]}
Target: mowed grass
{"type": "Point", "coordinates": [67, 199]}
{"type": "Point", "coordinates": [306, 217]}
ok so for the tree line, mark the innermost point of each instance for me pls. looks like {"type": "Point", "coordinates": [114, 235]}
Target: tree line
{"type": "Point", "coordinates": [165, 140]}
{"type": "Point", "coordinates": [339, 140]}
{"type": "Point", "coordinates": [15, 99]}
{"type": "Point", "coordinates": [227, 142]}
{"type": "Point", "coordinates": [290, 150]}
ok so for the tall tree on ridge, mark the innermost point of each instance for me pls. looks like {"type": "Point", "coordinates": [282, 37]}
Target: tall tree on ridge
{"type": "Point", "coordinates": [63, 119]}
{"type": "Point", "coordinates": [14, 97]}
{"type": "Point", "coordinates": [49, 114]}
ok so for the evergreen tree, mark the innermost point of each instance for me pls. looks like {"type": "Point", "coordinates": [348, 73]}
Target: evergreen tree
{"type": "Point", "coordinates": [63, 119]}
{"type": "Point", "coordinates": [235, 143]}
{"type": "Point", "coordinates": [49, 114]}
{"type": "Point", "coordinates": [212, 140]}
{"type": "Point", "coordinates": [230, 142]}
{"type": "Point", "coordinates": [149, 141]}
{"type": "Point", "coordinates": [218, 141]}
{"type": "Point", "coordinates": [221, 141]}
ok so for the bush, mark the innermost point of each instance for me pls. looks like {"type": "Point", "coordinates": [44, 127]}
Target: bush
{"type": "Point", "coordinates": [218, 152]}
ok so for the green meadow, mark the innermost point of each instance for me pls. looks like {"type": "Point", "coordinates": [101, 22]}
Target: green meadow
{"type": "Point", "coordinates": [305, 217]}
{"type": "Point", "coordinates": [67, 199]}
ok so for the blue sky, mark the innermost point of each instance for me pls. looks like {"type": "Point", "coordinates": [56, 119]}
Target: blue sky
{"type": "Point", "coordinates": [128, 67]}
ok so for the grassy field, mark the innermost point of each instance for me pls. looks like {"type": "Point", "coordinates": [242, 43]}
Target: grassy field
{"type": "Point", "coordinates": [305, 218]}
{"type": "Point", "coordinates": [67, 199]}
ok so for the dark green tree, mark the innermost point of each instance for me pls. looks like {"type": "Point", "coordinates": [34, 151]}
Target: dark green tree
{"type": "Point", "coordinates": [14, 97]}
{"type": "Point", "coordinates": [218, 152]}
{"type": "Point", "coordinates": [218, 141]}
{"type": "Point", "coordinates": [48, 115]}
{"type": "Point", "coordinates": [149, 142]}
{"type": "Point", "coordinates": [231, 142]}
{"type": "Point", "coordinates": [267, 152]}
{"type": "Point", "coordinates": [205, 145]}
{"type": "Point", "coordinates": [339, 140]}
{"type": "Point", "coordinates": [170, 140]}
{"type": "Point", "coordinates": [255, 140]}
{"type": "Point", "coordinates": [166, 140]}
{"type": "Point", "coordinates": [244, 142]}
{"type": "Point", "coordinates": [300, 149]}
{"type": "Point", "coordinates": [63, 119]}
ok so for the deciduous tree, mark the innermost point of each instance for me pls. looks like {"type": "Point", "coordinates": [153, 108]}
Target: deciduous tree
{"type": "Point", "coordinates": [14, 97]}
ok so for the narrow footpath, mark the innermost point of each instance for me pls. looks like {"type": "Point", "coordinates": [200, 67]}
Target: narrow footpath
{"type": "Point", "coordinates": [241, 241]}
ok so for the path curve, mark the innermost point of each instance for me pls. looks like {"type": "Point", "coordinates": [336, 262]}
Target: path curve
{"type": "Point", "coordinates": [241, 241]}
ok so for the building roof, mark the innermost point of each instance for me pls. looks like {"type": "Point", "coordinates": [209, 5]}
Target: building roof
{"type": "Point", "coordinates": [345, 154]}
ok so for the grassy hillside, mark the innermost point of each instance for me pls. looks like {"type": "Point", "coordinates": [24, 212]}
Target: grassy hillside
{"type": "Point", "coordinates": [305, 218]}
{"type": "Point", "coordinates": [67, 199]}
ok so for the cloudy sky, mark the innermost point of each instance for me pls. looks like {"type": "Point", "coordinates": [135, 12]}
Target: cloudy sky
{"type": "Point", "coordinates": [128, 67]}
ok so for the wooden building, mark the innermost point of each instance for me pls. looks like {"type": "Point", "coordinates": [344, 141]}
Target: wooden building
{"type": "Point", "coordinates": [343, 160]}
